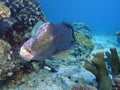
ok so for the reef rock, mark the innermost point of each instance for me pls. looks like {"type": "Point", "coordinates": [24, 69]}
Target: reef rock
{"type": "Point", "coordinates": [26, 11]}
{"type": "Point", "coordinates": [6, 60]}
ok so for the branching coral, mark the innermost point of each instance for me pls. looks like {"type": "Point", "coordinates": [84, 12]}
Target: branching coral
{"type": "Point", "coordinates": [4, 11]}
{"type": "Point", "coordinates": [98, 68]}
{"type": "Point", "coordinates": [113, 59]}
{"type": "Point", "coordinates": [24, 14]}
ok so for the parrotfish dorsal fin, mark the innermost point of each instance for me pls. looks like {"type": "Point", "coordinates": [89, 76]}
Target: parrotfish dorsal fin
{"type": "Point", "coordinates": [36, 27]}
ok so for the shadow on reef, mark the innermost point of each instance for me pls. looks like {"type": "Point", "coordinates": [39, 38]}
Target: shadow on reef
{"type": "Point", "coordinates": [98, 67]}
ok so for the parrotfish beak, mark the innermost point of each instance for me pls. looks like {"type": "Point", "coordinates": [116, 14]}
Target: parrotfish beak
{"type": "Point", "coordinates": [25, 53]}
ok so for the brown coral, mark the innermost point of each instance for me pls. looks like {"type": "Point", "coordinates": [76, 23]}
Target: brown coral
{"type": "Point", "coordinates": [113, 59]}
{"type": "Point", "coordinates": [4, 11]}
{"type": "Point", "coordinates": [98, 68]}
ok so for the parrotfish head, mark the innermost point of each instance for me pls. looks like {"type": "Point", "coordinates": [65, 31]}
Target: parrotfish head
{"type": "Point", "coordinates": [39, 42]}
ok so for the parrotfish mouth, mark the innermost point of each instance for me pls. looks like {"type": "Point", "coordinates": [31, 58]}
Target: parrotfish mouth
{"type": "Point", "coordinates": [25, 53]}
{"type": "Point", "coordinates": [25, 50]}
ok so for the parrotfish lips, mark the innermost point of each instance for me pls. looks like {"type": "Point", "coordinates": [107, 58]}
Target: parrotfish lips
{"type": "Point", "coordinates": [25, 50]}
{"type": "Point", "coordinates": [25, 53]}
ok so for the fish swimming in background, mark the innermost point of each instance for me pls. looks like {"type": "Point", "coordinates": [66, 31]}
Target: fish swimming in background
{"type": "Point", "coordinates": [47, 40]}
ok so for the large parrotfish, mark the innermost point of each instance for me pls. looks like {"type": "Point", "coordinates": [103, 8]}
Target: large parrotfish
{"type": "Point", "coordinates": [48, 39]}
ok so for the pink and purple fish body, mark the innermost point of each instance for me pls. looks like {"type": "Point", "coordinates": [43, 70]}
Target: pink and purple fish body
{"type": "Point", "coordinates": [49, 39]}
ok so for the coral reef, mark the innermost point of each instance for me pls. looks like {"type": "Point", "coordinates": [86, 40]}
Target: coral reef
{"type": "Point", "coordinates": [68, 71]}
{"type": "Point", "coordinates": [6, 60]}
{"type": "Point", "coordinates": [10, 66]}
{"type": "Point", "coordinates": [14, 35]}
{"type": "Point", "coordinates": [83, 44]}
{"type": "Point", "coordinates": [84, 41]}
{"type": "Point", "coordinates": [114, 61]}
{"type": "Point", "coordinates": [83, 28]}
{"type": "Point", "coordinates": [6, 24]}
{"type": "Point", "coordinates": [17, 29]}
{"type": "Point", "coordinates": [27, 16]}
{"type": "Point", "coordinates": [4, 11]}
{"type": "Point", "coordinates": [26, 11]}
{"type": "Point", "coordinates": [98, 68]}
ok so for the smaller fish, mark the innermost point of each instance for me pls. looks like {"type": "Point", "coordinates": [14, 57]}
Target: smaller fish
{"type": "Point", "coordinates": [46, 41]}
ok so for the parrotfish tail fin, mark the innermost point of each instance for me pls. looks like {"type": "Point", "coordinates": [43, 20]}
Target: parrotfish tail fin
{"type": "Point", "coordinates": [44, 66]}
{"type": "Point", "coordinates": [70, 26]}
{"type": "Point", "coordinates": [49, 68]}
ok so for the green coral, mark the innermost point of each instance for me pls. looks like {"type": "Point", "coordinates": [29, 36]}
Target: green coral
{"type": "Point", "coordinates": [84, 41]}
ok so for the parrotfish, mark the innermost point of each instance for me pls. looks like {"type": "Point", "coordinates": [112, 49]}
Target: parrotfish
{"type": "Point", "coordinates": [48, 39]}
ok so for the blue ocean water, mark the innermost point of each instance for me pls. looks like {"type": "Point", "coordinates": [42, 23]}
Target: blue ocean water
{"type": "Point", "coordinates": [103, 16]}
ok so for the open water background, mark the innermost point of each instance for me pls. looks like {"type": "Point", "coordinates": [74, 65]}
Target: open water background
{"type": "Point", "coordinates": [103, 16]}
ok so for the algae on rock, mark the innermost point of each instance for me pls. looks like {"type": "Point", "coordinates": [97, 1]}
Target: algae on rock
{"type": "Point", "coordinates": [84, 41]}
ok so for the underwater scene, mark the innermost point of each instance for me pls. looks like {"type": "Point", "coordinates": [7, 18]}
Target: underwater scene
{"type": "Point", "coordinates": [59, 45]}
